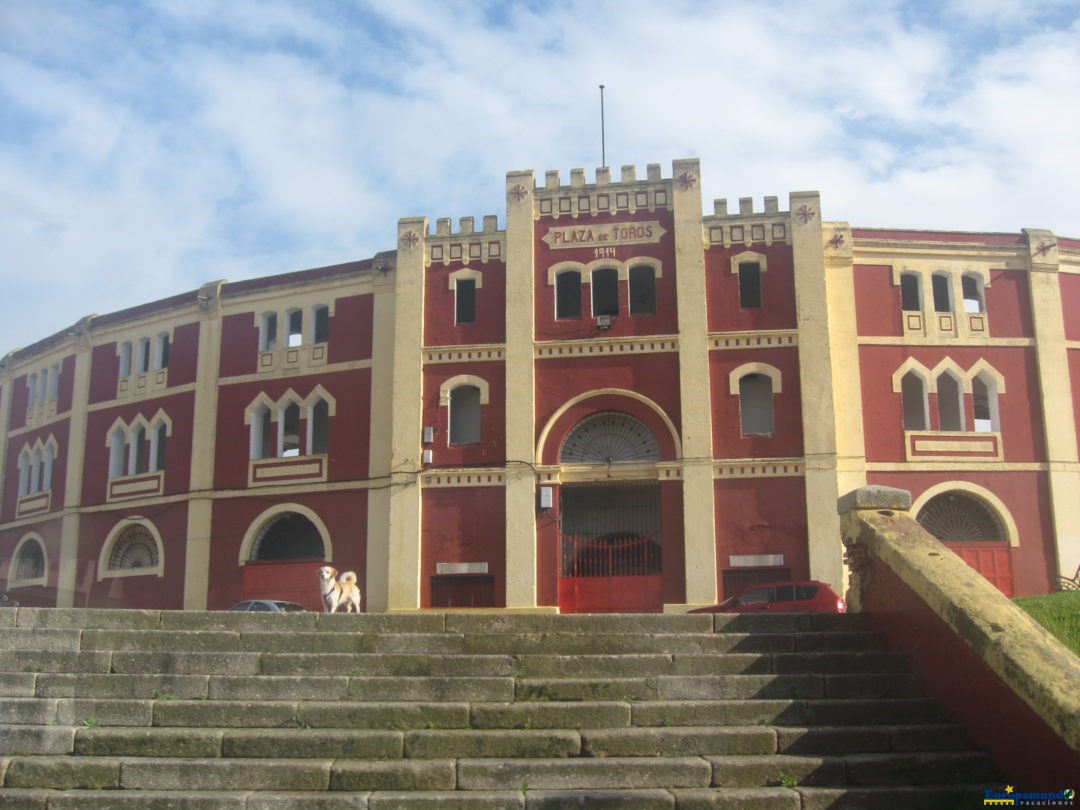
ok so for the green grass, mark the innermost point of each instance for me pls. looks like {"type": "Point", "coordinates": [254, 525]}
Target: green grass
{"type": "Point", "coordinates": [1057, 612]}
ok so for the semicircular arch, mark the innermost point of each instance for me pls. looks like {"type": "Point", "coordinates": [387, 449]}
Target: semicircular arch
{"type": "Point", "coordinates": [264, 520]}
{"type": "Point", "coordinates": [989, 499]}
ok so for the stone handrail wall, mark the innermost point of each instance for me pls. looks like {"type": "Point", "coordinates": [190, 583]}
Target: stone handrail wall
{"type": "Point", "coordinates": [1016, 687]}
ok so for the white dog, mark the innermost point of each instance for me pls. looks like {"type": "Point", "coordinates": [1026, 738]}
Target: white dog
{"type": "Point", "coordinates": [339, 591]}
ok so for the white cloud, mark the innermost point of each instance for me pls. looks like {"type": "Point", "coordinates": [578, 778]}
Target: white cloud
{"type": "Point", "coordinates": [147, 148]}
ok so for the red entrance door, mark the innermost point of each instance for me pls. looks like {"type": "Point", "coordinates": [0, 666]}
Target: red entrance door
{"type": "Point", "coordinates": [615, 573]}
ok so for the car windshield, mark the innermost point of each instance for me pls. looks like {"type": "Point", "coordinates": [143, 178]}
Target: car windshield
{"type": "Point", "coordinates": [289, 607]}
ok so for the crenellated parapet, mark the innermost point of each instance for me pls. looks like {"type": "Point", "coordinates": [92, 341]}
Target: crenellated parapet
{"type": "Point", "coordinates": [466, 244]}
{"type": "Point", "coordinates": [602, 196]}
{"type": "Point", "coordinates": [747, 226]}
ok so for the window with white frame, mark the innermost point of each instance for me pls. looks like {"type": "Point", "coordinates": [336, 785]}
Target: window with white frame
{"type": "Point", "coordinates": [568, 294]}
{"type": "Point", "coordinates": [139, 447]}
{"type": "Point", "coordinates": [914, 400]}
{"type": "Point", "coordinates": [302, 425]}
{"type": "Point", "coordinates": [911, 292]}
{"type": "Point", "coordinates": [132, 549]}
{"type": "Point", "coordinates": [36, 467]}
{"type": "Point", "coordinates": [319, 427]}
{"type": "Point", "coordinates": [642, 290]}
{"type": "Point", "coordinates": [261, 435]}
{"type": "Point", "coordinates": [984, 395]}
{"type": "Point", "coordinates": [950, 401]}
{"type": "Point", "coordinates": [320, 324]}
{"type": "Point", "coordinates": [161, 351]}
{"type": "Point", "coordinates": [750, 285]}
{"type": "Point", "coordinates": [295, 320]}
{"type": "Point", "coordinates": [465, 414]}
{"type": "Point", "coordinates": [29, 563]}
{"type": "Point", "coordinates": [268, 331]}
{"type": "Point", "coordinates": [125, 359]}
{"type": "Point", "coordinates": [756, 405]}
{"type": "Point", "coordinates": [289, 431]}
{"type": "Point", "coordinates": [605, 291]}
{"type": "Point", "coordinates": [941, 286]}
{"type": "Point", "coordinates": [971, 286]}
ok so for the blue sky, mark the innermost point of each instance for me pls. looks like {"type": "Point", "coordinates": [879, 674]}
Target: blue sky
{"type": "Point", "coordinates": [149, 146]}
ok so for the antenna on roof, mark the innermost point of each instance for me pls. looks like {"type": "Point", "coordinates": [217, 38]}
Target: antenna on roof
{"type": "Point", "coordinates": [603, 150]}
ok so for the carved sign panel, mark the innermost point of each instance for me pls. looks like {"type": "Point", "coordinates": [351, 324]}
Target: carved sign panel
{"type": "Point", "coordinates": [616, 233]}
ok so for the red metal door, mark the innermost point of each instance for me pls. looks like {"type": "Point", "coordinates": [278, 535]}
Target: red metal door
{"type": "Point", "coordinates": [618, 573]}
{"type": "Point", "coordinates": [992, 560]}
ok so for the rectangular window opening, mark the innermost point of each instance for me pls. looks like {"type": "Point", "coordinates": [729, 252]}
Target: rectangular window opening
{"type": "Point", "coordinates": [750, 285]}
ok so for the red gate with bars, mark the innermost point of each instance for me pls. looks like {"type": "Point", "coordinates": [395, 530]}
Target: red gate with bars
{"type": "Point", "coordinates": [614, 573]}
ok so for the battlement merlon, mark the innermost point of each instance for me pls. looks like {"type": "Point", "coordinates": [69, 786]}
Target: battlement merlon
{"type": "Point", "coordinates": [602, 177]}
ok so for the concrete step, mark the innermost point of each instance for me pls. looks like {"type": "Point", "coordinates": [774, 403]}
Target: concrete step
{"type": "Point", "coordinates": [915, 768]}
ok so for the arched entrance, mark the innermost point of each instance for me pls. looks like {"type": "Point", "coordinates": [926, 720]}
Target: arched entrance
{"type": "Point", "coordinates": [610, 537]}
{"type": "Point", "coordinates": [284, 556]}
{"type": "Point", "coordinates": [972, 529]}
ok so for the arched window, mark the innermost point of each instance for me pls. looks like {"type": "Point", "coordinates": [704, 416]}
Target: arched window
{"type": "Point", "coordinates": [913, 397]}
{"type": "Point", "coordinates": [642, 290]}
{"type": "Point", "coordinates": [958, 516]}
{"type": "Point", "coordinates": [295, 322]}
{"type": "Point", "coordinates": [267, 331]}
{"type": "Point", "coordinates": [750, 285]}
{"type": "Point", "coordinates": [605, 291]}
{"type": "Point", "coordinates": [48, 458]}
{"type": "Point", "coordinates": [318, 428]}
{"type": "Point", "coordinates": [142, 356]}
{"type": "Point", "coordinates": [24, 472]}
{"type": "Point", "coordinates": [28, 564]}
{"type": "Point", "coordinates": [950, 401]}
{"type": "Point", "coordinates": [942, 288]}
{"type": "Point", "coordinates": [261, 434]}
{"type": "Point", "coordinates": [465, 300]}
{"type": "Point", "coordinates": [125, 359]}
{"type": "Point", "coordinates": [607, 438]}
{"type": "Point", "coordinates": [289, 426]}
{"type": "Point", "coordinates": [972, 288]}
{"type": "Point", "coordinates": [137, 460]}
{"type": "Point", "coordinates": [320, 324]}
{"type": "Point", "coordinates": [288, 536]}
{"type": "Point", "coordinates": [984, 395]}
{"type": "Point", "coordinates": [117, 440]}
{"type": "Point", "coordinates": [911, 292]}
{"type": "Point", "coordinates": [161, 351]}
{"type": "Point", "coordinates": [756, 405]}
{"type": "Point", "coordinates": [134, 548]}
{"type": "Point", "coordinates": [465, 414]}
{"type": "Point", "coordinates": [568, 294]}
{"type": "Point", "coordinates": [158, 438]}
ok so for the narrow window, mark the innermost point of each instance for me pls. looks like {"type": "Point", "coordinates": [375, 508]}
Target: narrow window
{"type": "Point", "coordinates": [137, 463]}
{"type": "Point", "coordinates": [913, 397]}
{"type": "Point", "coordinates": [161, 351]}
{"type": "Point", "coordinates": [950, 402]}
{"type": "Point", "coordinates": [910, 294]}
{"type": "Point", "coordinates": [290, 430]}
{"type": "Point", "coordinates": [465, 301]}
{"type": "Point", "coordinates": [24, 473]}
{"type": "Point", "coordinates": [985, 401]}
{"type": "Point", "coordinates": [296, 327]}
{"type": "Point", "coordinates": [31, 390]}
{"type": "Point", "coordinates": [116, 453]}
{"type": "Point", "coordinates": [321, 331]}
{"type": "Point", "coordinates": [268, 332]}
{"type": "Point", "coordinates": [750, 285]}
{"type": "Point", "coordinates": [942, 294]}
{"type": "Point", "coordinates": [125, 359]}
{"type": "Point", "coordinates": [465, 415]}
{"type": "Point", "coordinates": [54, 381]}
{"type": "Point", "coordinates": [318, 428]}
{"type": "Point", "coordinates": [47, 462]}
{"type": "Point", "coordinates": [568, 294]}
{"type": "Point", "coordinates": [756, 405]}
{"type": "Point", "coordinates": [260, 432]}
{"type": "Point", "coordinates": [43, 385]}
{"type": "Point", "coordinates": [972, 288]}
{"type": "Point", "coordinates": [35, 470]}
{"type": "Point", "coordinates": [142, 356]}
{"type": "Point", "coordinates": [157, 451]}
{"type": "Point", "coordinates": [642, 290]}
{"type": "Point", "coordinates": [605, 291]}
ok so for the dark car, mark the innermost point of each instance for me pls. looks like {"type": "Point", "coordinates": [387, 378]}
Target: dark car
{"type": "Point", "coordinates": [781, 597]}
{"type": "Point", "coordinates": [268, 606]}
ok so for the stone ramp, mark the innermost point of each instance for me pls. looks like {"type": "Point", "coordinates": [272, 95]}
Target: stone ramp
{"type": "Point", "coordinates": [168, 709]}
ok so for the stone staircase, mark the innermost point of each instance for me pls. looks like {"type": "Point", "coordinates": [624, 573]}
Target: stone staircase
{"type": "Point", "coordinates": [117, 709]}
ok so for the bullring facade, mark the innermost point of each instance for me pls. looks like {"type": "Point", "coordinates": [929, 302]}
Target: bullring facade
{"type": "Point", "coordinates": [613, 403]}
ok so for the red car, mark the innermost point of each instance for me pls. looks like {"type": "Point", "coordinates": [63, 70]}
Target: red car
{"type": "Point", "coordinates": [781, 597]}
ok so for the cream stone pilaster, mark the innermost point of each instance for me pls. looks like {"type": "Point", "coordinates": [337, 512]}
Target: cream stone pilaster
{"type": "Point", "coordinates": [520, 393]}
{"type": "Point", "coordinates": [380, 449]}
{"type": "Point", "coordinates": [829, 371]}
{"type": "Point", "coordinates": [405, 419]}
{"type": "Point", "coordinates": [67, 575]}
{"type": "Point", "coordinates": [203, 442]}
{"type": "Point", "coordinates": [1058, 407]}
{"type": "Point", "coordinates": [699, 524]}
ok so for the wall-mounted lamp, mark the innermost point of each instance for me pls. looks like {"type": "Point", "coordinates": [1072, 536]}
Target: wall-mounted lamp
{"type": "Point", "coordinates": [547, 497]}
{"type": "Point", "coordinates": [426, 457]}
{"type": "Point", "coordinates": [429, 434]}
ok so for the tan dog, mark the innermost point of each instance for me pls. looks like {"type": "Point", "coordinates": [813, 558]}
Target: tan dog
{"type": "Point", "coordinates": [339, 590]}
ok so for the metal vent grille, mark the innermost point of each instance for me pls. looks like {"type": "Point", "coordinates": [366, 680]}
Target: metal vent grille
{"type": "Point", "coordinates": [134, 548]}
{"type": "Point", "coordinates": [959, 517]}
{"type": "Point", "coordinates": [607, 438]}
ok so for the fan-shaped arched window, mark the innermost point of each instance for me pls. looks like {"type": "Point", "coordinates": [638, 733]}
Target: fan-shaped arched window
{"type": "Point", "coordinates": [28, 563]}
{"type": "Point", "coordinates": [134, 548]}
{"type": "Point", "coordinates": [609, 437]}
{"type": "Point", "coordinates": [958, 517]}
